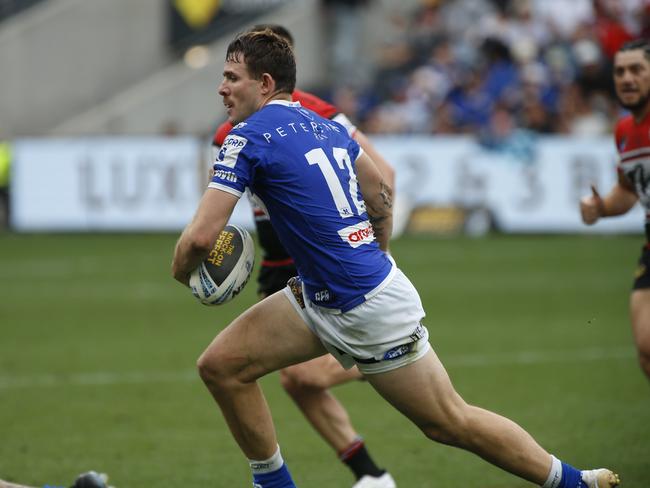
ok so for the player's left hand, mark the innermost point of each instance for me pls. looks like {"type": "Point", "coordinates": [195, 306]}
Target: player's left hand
{"type": "Point", "coordinates": [592, 207]}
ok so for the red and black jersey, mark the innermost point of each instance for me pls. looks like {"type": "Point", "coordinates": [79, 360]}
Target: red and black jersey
{"type": "Point", "coordinates": [633, 144]}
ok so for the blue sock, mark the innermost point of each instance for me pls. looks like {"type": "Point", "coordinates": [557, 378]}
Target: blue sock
{"type": "Point", "coordinates": [280, 478]}
{"type": "Point", "coordinates": [571, 477]}
{"type": "Point", "coordinates": [271, 472]}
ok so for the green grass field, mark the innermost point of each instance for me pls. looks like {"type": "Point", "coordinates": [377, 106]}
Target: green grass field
{"type": "Point", "coordinates": [98, 346]}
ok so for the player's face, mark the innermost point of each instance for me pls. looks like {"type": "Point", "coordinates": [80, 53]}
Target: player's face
{"type": "Point", "coordinates": [241, 94]}
{"type": "Point", "coordinates": [632, 79]}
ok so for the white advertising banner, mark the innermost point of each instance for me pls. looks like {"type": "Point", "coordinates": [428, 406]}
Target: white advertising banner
{"type": "Point", "coordinates": [105, 183]}
{"type": "Point", "coordinates": [155, 183]}
{"type": "Point", "coordinates": [134, 184]}
{"type": "Point", "coordinates": [539, 194]}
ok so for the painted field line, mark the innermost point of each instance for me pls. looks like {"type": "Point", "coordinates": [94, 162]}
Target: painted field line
{"type": "Point", "coordinates": [540, 357]}
{"type": "Point", "coordinates": [96, 379]}
{"type": "Point", "coordinates": [518, 358]}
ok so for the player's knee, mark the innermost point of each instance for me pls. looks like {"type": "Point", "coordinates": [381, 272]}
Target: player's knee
{"type": "Point", "coordinates": [437, 433]}
{"type": "Point", "coordinates": [288, 382]}
{"type": "Point", "coordinates": [449, 426]}
{"type": "Point", "coordinates": [207, 368]}
{"type": "Point", "coordinates": [214, 368]}
{"type": "Point", "coordinates": [297, 379]}
{"type": "Point", "coordinates": [445, 432]}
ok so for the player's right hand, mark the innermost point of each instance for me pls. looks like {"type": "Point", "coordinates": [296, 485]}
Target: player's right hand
{"type": "Point", "coordinates": [592, 207]}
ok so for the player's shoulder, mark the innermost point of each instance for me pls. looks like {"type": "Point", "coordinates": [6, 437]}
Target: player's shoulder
{"type": "Point", "coordinates": [252, 127]}
{"type": "Point", "coordinates": [314, 103]}
{"type": "Point", "coordinates": [256, 130]}
{"type": "Point", "coordinates": [622, 129]}
{"type": "Point", "coordinates": [241, 139]}
{"type": "Point", "coordinates": [624, 123]}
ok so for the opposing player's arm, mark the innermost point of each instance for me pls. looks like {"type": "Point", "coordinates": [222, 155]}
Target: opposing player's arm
{"type": "Point", "coordinates": [386, 169]}
{"type": "Point", "coordinates": [197, 239]}
{"type": "Point", "coordinates": [618, 201]}
{"type": "Point", "coordinates": [378, 195]}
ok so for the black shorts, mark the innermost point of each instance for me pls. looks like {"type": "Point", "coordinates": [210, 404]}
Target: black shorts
{"type": "Point", "coordinates": [274, 278]}
{"type": "Point", "coordinates": [642, 275]}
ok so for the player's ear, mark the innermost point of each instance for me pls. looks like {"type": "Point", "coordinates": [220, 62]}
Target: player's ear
{"type": "Point", "coordinates": [267, 83]}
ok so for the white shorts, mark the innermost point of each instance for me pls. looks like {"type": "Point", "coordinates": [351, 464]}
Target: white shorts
{"type": "Point", "coordinates": [383, 333]}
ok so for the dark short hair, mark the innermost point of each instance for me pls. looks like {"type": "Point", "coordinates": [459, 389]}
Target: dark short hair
{"type": "Point", "coordinates": [643, 44]}
{"type": "Point", "coordinates": [265, 52]}
{"type": "Point", "coordinates": [277, 29]}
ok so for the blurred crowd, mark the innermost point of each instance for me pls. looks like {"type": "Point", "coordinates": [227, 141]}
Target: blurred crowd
{"type": "Point", "coordinates": [502, 69]}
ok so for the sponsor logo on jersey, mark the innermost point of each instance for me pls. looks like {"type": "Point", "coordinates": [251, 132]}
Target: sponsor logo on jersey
{"type": "Point", "coordinates": [322, 296]}
{"type": "Point", "coordinates": [230, 150]}
{"type": "Point", "coordinates": [223, 174]}
{"type": "Point", "coordinates": [358, 234]}
{"type": "Point", "coordinates": [221, 154]}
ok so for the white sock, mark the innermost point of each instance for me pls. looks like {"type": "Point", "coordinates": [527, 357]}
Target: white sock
{"type": "Point", "coordinates": [555, 476]}
{"type": "Point", "coordinates": [269, 465]}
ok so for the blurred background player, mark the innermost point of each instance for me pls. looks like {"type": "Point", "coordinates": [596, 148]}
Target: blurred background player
{"type": "Point", "coordinates": [632, 133]}
{"type": "Point", "coordinates": [91, 479]}
{"type": "Point", "coordinates": [308, 383]}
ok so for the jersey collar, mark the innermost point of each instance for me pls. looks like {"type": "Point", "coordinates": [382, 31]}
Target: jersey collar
{"type": "Point", "coordinates": [285, 103]}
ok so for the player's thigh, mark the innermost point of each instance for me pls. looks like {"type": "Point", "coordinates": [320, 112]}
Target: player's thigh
{"type": "Point", "coordinates": [268, 336]}
{"type": "Point", "coordinates": [322, 372]}
{"type": "Point", "coordinates": [420, 390]}
{"type": "Point", "coordinates": [640, 315]}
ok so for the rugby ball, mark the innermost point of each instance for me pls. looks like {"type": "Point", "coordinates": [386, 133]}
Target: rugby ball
{"type": "Point", "coordinates": [226, 270]}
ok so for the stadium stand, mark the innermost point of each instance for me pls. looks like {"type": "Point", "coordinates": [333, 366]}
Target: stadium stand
{"type": "Point", "coordinates": [450, 65]}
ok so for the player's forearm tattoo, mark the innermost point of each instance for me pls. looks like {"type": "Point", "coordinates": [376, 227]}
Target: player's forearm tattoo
{"type": "Point", "coordinates": [386, 194]}
{"type": "Point", "coordinates": [381, 207]}
{"type": "Point", "coordinates": [380, 215]}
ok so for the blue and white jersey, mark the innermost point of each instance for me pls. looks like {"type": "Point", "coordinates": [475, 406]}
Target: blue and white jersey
{"type": "Point", "coordinates": [300, 166]}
